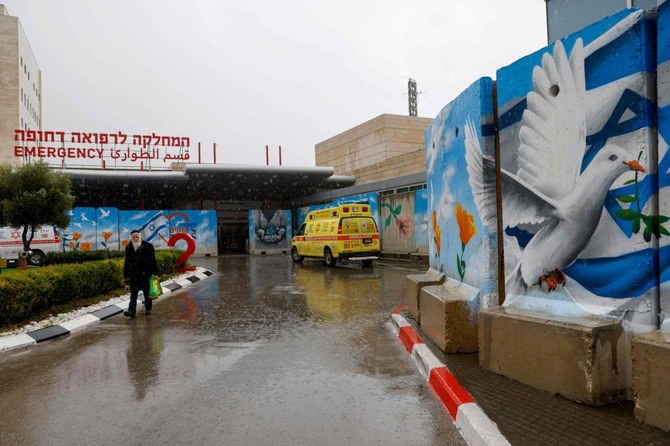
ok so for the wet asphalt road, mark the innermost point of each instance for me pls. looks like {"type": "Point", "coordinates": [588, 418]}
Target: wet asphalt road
{"type": "Point", "coordinates": [265, 352]}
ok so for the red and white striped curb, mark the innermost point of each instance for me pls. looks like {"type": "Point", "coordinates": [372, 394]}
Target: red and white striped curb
{"type": "Point", "coordinates": [476, 426]}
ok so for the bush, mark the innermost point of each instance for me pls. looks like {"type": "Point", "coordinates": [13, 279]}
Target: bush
{"type": "Point", "coordinates": [55, 258]}
{"type": "Point", "coordinates": [34, 290]}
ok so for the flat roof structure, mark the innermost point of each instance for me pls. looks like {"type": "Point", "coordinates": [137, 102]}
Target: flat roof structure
{"type": "Point", "coordinates": [275, 186]}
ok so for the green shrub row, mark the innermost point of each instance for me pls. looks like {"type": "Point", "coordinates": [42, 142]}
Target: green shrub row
{"type": "Point", "coordinates": [56, 258]}
{"type": "Point", "coordinates": [35, 290]}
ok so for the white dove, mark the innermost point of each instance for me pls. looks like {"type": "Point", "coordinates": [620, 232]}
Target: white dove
{"type": "Point", "coordinates": [104, 213]}
{"type": "Point", "coordinates": [549, 193]}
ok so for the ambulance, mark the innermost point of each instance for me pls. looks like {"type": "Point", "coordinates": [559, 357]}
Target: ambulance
{"type": "Point", "coordinates": [344, 232]}
{"type": "Point", "coordinates": [45, 240]}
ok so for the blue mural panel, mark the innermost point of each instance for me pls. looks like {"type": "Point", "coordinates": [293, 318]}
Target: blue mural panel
{"type": "Point", "coordinates": [460, 148]}
{"type": "Point", "coordinates": [81, 233]}
{"type": "Point", "coordinates": [421, 221]}
{"type": "Point", "coordinates": [577, 149]}
{"type": "Point", "coordinates": [663, 92]}
{"type": "Point", "coordinates": [107, 220]}
{"type": "Point", "coordinates": [370, 198]}
{"type": "Point", "coordinates": [159, 226]}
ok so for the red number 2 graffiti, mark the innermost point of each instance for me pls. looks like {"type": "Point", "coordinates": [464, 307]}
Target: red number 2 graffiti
{"type": "Point", "coordinates": [190, 248]}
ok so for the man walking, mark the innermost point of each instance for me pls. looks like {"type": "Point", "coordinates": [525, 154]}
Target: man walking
{"type": "Point", "coordinates": [138, 267]}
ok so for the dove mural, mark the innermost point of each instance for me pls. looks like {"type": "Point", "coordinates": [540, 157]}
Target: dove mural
{"type": "Point", "coordinates": [577, 171]}
{"type": "Point", "coordinates": [80, 235]}
{"type": "Point", "coordinates": [108, 228]}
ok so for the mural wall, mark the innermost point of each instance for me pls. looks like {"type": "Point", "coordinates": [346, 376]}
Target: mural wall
{"type": "Point", "coordinates": [421, 219]}
{"type": "Point", "coordinates": [579, 183]}
{"type": "Point", "coordinates": [663, 91]}
{"type": "Point", "coordinates": [109, 228]}
{"type": "Point", "coordinates": [460, 172]}
{"type": "Point", "coordinates": [370, 198]}
{"type": "Point", "coordinates": [397, 217]}
{"type": "Point", "coordinates": [269, 230]}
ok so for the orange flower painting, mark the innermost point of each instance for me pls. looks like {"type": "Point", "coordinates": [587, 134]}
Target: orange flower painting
{"type": "Point", "coordinates": [106, 235]}
{"type": "Point", "coordinates": [466, 224]}
{"type": "Point", "coordinates": [467, 230]}
{"type": "Point", "coordinates": [85, 246]}
{"type": "Point", "coordinates": [436, 232]}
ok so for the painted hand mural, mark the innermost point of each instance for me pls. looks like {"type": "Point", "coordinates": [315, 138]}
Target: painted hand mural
{"type": "Point", "coordinates": [272, 231]}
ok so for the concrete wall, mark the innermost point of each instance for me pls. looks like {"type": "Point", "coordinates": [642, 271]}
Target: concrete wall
{"type": "Point", "coordinates": [663, 91]}
{"type": "Point", "coordinates": [463, 232]}
{"type": "Point", "coordinates": [575, 217]}
{"type": "Point", "coordinates": [383, 147]}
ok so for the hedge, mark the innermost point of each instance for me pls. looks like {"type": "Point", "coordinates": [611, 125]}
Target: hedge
{"type": "Point", "coordinates": [35, 290]}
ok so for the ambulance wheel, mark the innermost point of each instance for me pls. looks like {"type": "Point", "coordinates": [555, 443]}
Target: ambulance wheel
{"type": "Point", "coordinates": [367, 263]}
{"type": "Point", "coordinates": [297, 258]}
{"type": "Point", "coordinates": [328, 257]}
{"type": "Point", "coordinates": [36, 258]}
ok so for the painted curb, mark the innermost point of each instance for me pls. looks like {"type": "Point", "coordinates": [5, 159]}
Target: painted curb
{"type": "Point", "coordinates": [12, 342]}
{"type": "Point", "coordinates": [476, 426]}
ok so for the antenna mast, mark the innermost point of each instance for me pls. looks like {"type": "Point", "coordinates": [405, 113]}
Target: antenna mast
{"type": "Point", "coordinates": [411, 94]}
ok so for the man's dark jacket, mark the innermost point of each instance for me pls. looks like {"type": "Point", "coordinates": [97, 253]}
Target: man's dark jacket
{"type": "Point", "coordinates": [140, 264]}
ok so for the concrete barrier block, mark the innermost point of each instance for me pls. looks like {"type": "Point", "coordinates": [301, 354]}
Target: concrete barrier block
{"type": "Point", "coordinates": [449, 316]}
{"type": "Point", "coordinates": [651, 378]}
{"type": "Point", "coordinates": [580, 358]}
{"type": "Point", "coordinates": [414, 284]}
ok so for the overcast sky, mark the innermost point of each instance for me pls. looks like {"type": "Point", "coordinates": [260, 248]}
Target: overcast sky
{"type": "Point", "coordinates": [243, 73]}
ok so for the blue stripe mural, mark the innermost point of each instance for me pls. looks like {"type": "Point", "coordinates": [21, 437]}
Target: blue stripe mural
{"type": "Point", "coordinates": [579, 210]}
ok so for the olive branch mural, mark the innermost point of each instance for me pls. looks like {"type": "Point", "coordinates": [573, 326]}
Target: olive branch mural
{"type": "Point", "coordinates": [653, 224]}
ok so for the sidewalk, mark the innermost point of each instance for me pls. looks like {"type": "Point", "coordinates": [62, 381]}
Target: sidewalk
{"type": "Point", "coordinates": [75, 321]}
{"type": "Point", "coordinates": [527, 416]}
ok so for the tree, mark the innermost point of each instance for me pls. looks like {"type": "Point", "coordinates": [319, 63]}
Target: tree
{"type": "Point", "coordinates": [32, 195]}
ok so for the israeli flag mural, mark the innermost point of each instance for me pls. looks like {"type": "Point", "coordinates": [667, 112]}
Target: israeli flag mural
{"type": "Point", "coordinates": [663, 92]}
{"type": "Point", "coordinates": [579, 176]}
{"type": "Point", "coordinates": [159, 226]}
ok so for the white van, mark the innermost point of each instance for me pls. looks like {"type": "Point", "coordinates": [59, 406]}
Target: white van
{"type": "Point", "coordinates": [46, 240]}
